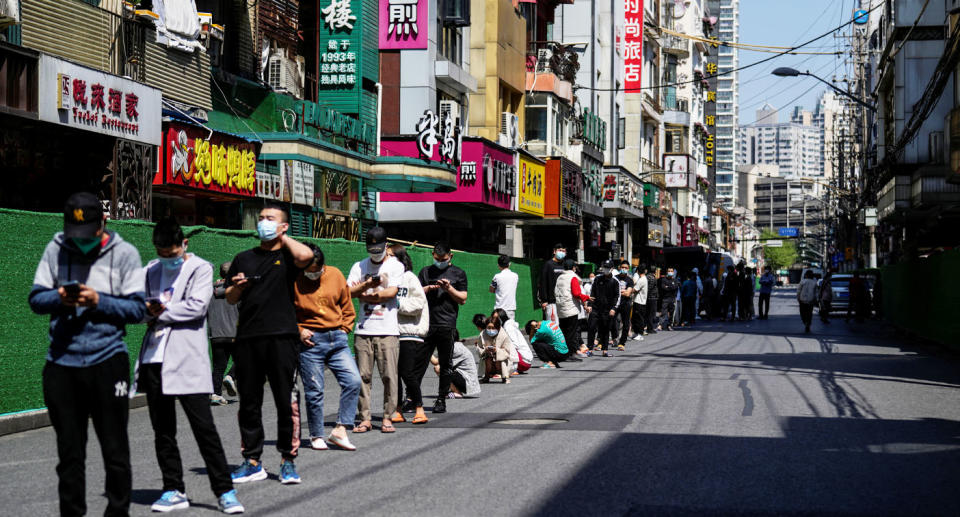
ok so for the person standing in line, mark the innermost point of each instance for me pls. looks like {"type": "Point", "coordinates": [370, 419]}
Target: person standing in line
{"type": "Point", "coordinates": [639, 317]}
{"type": "Point", "coordinates": [375, 281]}
{"type": "Point", "coordinates": [504, 285]}
{"type": "Point", "coordinates": [569, 299]}
{"type": "Point", "coordinates": [547, 341]}
{"type": "Point", "coordinates": [413, 318]}
{"type": "Point", "coordinates": [688, 297]}
{"type": "Point", "coordinates": [90, 282]}
{"type": "Point", "coordinates": [767, 281]}
{"type": "Point", "coordinates": [729, 294]}
{"type": "Point", "coordinates": [548, 282]}
{"type": "Point", "coordinates": [826, 297]}
{"type": "Point", "coordinates": [626, 296]}
{"type": "Point", "coordinates": [696, 275]}
{"type": "Point", "coordinates": [606, 301]}
{"type": "Point", "coordinates": [653, 300]}
{"type": "Point", "coordinates": [325, 316]}
{"type": "Point", "coordinates": [707, 304]}
{"type": "Point", "coordinates": [268, 342]}
{"type": "Point", "coordinates": [173, 365]}
{"type": "Point", "coordinates": [446, 289]}
{"type": "Point", "coordinates": [807, 296]}
{"type": "Point", "coordinates": [669, 290]}
{"type": "Point", "coordinates": [222, 323]}
{"type": "Point", "coordinates": [584, 321]}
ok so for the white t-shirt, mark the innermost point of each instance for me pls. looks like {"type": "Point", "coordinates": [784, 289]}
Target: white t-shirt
{"type": "Point", "coordinates": [153, 353]}
{"type": "Point", "coordinates": [377, 319]}
{"type": "Point", "coordinates": [506, 293]}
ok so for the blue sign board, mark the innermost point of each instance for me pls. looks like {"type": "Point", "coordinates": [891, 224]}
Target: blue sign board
{"type": "Point", "coordinates": [861, 17]}
{"type": "Point", "coordinates": [789, 232]}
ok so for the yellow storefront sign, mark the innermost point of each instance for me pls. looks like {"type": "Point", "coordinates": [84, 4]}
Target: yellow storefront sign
{"type": "Point", "coordinates": [531, 199]}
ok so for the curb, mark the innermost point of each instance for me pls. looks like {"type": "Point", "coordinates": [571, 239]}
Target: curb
{"type": "Point", "coordinates": [30, 420]}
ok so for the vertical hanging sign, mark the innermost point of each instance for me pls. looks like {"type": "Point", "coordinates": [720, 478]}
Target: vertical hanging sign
{"type": "Point", "coordinates": [710, 121]}
{"type": "Point", "coordinates": [633, 45]}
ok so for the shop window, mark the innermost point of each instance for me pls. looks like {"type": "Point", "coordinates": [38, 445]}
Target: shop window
{"type": "Point", "coordinates": [450, 43]}
{"type": "Point", "coordinates": [337, 192]}
{"type": "Point", "coordinates": [455, 13]}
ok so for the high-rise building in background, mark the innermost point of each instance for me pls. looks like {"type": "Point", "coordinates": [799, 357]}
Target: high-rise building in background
{"type": "Point", "coordinates": [728, 99]}
{"type": "Point", "coordinates": [795, 146]}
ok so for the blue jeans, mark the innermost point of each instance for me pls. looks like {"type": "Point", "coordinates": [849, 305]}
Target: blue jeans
{"type": "Point", "coordinates": [329, 349]}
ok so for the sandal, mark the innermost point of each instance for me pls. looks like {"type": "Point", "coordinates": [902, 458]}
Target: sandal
{"type": "Point", "coordinates": [387, 427]}
{"type": "Point", "coordinates": [495, 376]}
{"type": "Point", "coordinates": [398, 417]}
{"type": "Point", "coordinates": [420, 417]}
{"type": "Point", "coordinates": [506, 381]}
{"type": "Point", "coordinates": [363, 428]}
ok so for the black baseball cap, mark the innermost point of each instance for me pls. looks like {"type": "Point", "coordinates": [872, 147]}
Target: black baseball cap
{"type": "Point", "coordinates": [82, 216]}
{"type": "Point", "coordinates": [608, 264]}
{"type": "Point", "coordinates": [441, 249]}
{"type": "Point", "coordinates": [376, 239]}
{"type": "Point", "coordinates": [559, 245]}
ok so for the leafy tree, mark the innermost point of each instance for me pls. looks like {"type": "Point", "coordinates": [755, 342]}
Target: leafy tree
{"type": "Point", "coordinates": [782, 257]}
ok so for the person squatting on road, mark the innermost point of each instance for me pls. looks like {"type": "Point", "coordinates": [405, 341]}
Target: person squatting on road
{"type": "Point", "coordinates": [268, 342]}
{"type": "Point", "coordinates": [325, 316]}
{"type": "Point", "coordinates": [90, 282]}
{"type": "Point", "coordinates": [463, 377]}
{"type": "Point", "coordinates": [496, 349]}
{"type": "Point", "coordinates": [524, 357]}
{"type": "Point", "coordinates": [547, 341]}
{"type": "Point", "coordinates": [375, 281]}
{"type": "Point", "coordinates": [174, 364]}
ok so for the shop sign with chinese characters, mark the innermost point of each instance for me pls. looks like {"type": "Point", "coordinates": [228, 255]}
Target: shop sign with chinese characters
{"type": "Point", "coordinates": [83, 98]}
{"type": "Point", "coordinates": [340, 46]}
{"type": "Point", "coordinates": [632, 45]}
{"type": "Point", "coordinates": [442, 132]}
{"type": "Point", "coordinates": [220, 163]}
{"type": "Point", "coordinates": [403, 24]}
{"type": "Point", "coordinates": [530, 198]}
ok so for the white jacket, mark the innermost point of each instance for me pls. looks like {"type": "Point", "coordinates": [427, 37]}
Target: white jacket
{"type": "Point", "coordinates": [640, 285]}
{"type": "Point", "coordinates": [567, 305]}
{"type": "Point", "coordinates": [413, 316]}
{"type": "Point", "coordinates": [519, 342]}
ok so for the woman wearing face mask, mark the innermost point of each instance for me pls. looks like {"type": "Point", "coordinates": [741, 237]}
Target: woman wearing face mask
{"type": "Point", "coordinates": [496, 349]}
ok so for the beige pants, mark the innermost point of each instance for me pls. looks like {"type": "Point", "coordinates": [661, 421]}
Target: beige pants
{"type": "Point", "coordinates": [385, 351]}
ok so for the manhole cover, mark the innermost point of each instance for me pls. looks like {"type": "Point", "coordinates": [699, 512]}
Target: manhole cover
{"type": "Point", "coordinates": [530, 421]}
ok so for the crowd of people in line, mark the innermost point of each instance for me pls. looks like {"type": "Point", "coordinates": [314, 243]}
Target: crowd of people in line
{"type": "Point", "coordinates": [283, 314]}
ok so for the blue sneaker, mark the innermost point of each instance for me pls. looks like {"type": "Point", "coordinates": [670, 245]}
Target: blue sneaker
{"type": "Point", "coordinates": [171, 500]}
{"type": "Point", "coordinates": [229, 502]}
{"type": "Point", "coordinates": [248, 472]}
{"type": "Point", "coordinates": [288, 473]}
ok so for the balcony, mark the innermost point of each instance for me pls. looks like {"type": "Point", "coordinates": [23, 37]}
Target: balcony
{"type": "Point", "coordinates": [676, 110]}
{"type": "Point", "coordinates": [675, 45]}
{"type": "Point", "coordinates": [552, 67]}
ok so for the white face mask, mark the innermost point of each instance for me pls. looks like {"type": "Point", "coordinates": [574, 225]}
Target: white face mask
{"type": "Point", "coordinates": [313, 275]}
{"type": "Point", "coordinates": [378, 257]}
{"type": "Point", "coordinates": [492, 332]}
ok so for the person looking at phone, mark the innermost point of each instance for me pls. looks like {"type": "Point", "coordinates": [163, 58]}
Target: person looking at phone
{"type": "Point", "coordinates": [374, 281]}
{"type": "Point", "coordinates": [446, 289]}
{"type": "Point", "coordinates": [174, 364]}
{"type": "Point", "coordinates": [268, 341]}
{"type": "Point", "coordinates": [90, 282]}
{"type": "Point", "coordinates": [504, 286]}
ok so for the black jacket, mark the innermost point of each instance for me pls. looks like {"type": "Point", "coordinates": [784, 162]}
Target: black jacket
{"type": "Point", "coordinates": [653, 290]}
{"type": "Point", "coordinates": [548, 281]}
{"type": "Point", "coordinates": [669, 287]}
{"type": "Point", "coordinates": [606, 294]}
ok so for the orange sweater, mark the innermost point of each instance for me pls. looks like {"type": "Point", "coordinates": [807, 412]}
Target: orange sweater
{"type": "Point", "coordinates": [325, 303]}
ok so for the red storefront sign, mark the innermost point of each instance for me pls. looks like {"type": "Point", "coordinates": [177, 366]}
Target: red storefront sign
{"type": "Point", "coordinates": [222, 164]}
{"type": "Point", "coordinates": [690, 235]}
{"type": "Point", "coordinates": [633, 45]}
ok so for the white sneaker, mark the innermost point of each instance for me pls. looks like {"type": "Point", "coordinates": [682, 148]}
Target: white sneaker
{"type": "Point", "coordinates": [638, 337]}
{"type": "Point", "coordinates": [318, 444]}
{"type": "Point", "coordinates": [230, 386]}
{"type": "Point", "coordinates": [217, 400]}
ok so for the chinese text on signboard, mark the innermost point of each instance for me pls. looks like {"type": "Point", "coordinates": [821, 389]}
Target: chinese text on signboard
{"type": "Point", "coordinates": [530, 198]}
{"type": "Point", "coordinates": [221, 164]}
{"type": "Point", "coordinates": [633, 45]}
{"type": "Point", "coordinates": [403, 24]}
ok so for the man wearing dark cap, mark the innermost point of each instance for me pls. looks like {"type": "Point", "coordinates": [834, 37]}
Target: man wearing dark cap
{"type": "Point", "coordinates": [374, 281]}
{"type": "Point", "coordinates": [546, 292]}
{"type": "Point", "coordinates": [606, 302]}
{"type": "Point", "coordinates": [90, 281]}
{"type": "Point", "coordinates": [446, 289]}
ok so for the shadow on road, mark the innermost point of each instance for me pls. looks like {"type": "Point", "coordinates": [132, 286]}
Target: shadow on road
{"type": "Point", "coordinates": [822, 466]}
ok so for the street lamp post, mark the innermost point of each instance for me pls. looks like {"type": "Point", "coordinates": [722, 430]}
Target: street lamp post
{"type": "Point", "coordinates": [785, 71]}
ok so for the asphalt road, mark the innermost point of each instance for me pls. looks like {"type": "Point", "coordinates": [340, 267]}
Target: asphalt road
{"type": "Point", "coordinates": [751, 418]}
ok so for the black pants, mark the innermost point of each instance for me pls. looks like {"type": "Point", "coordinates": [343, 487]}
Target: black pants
{"type": "Point", "coordinates": [602, 321]}
{"type": "Point", "coordinates": [651, 314]}
{"type": "Point", "coordinates": [456, 378]}
{"type": "Point", "coordinates": [98, 393]}
{"type": "Point", "coordinates": [441, 339]}
{"type": "Point", "coordinates": [276, 359]}
{"type": "Point", "coordinates": [746, 302]}
{"type": "Point", "coordinates": [806, 313]}
{"type": "Point", "coordinates": [222, 351]}
{"type": "Point", "coordinates": [825, 308]}
{"type": "Point", "coordinates": [729, 306]}
{"type": "Point", "coordinates": [547, 353]}
{"type": "Point", "coordinates": [624, 313]}
{"type": "Point", "coordinates": [639, 318]}
{"type": "Point", "coordinates": [412, 365]}
{"type": "Point", "coordinates": [764, 306]}
{"type": "Point", "coordinates": [568, 326]}
{"type": "Point", "coordinates": [688, 310]}
{"type": "Point", "coordinates": [669, 307]}
{"type": "Point", "coordinates": [163, 417]}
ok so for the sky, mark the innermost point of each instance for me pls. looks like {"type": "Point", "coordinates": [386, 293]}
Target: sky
{"type": "Point", "coordinates": [787, 23]}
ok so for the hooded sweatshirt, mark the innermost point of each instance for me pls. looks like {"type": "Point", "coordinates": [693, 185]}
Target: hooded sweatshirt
{"type": "Point", "coordinates": [85, 336]}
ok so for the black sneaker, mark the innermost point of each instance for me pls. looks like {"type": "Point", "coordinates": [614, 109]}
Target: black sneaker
{"type": "Point", "coordinates": [440, 406]}
{"type": "Point", "coordinates": [408, 406]}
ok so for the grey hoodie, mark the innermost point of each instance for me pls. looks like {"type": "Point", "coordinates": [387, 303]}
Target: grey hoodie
{"type": "Point", "coordinates": [86, 336]}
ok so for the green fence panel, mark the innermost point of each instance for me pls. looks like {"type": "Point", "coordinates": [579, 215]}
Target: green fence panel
{"type": "Point", "coordinates": [922, 296]}
{"type": "Point", "coordinates": [23, 335]}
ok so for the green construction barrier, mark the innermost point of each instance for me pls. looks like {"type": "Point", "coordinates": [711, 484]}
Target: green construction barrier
{"type": "Point", "coordinates": [921, 296]}
{"type": "Point", "coordinates": [23, 334]}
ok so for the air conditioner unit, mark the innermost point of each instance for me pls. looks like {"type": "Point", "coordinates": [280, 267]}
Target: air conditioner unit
{"type": "Point", "coordinates": [450, 109]}
{"type": "Point", "coordinates": [509, 129]}
{"type": "Point", "coordinates": [284, 74]}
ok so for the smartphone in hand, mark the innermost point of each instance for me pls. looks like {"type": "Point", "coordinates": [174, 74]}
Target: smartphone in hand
{"type": "Point", "coordinates": [72, 288]}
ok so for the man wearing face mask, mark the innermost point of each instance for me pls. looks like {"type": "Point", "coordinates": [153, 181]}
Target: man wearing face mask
{"type": "Point", "coordinates": [268, 341]}
{"type": "Point", "coordinates": [606, 301]}
{"type": "Point", "coordinates": [446, 289]}
{"type": "Point", "coordinates": [627, 289]}
{"type": "Point", "coordinates": [546, 291]}
{"type": "Point", "coordinates": [375, 281]}
{"type": "Point", "coordinates": [90, 282]}
{"type": "Point", "coordinates": [174, 363]}
{"type": "Point", "coordinates": [669, 288]}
